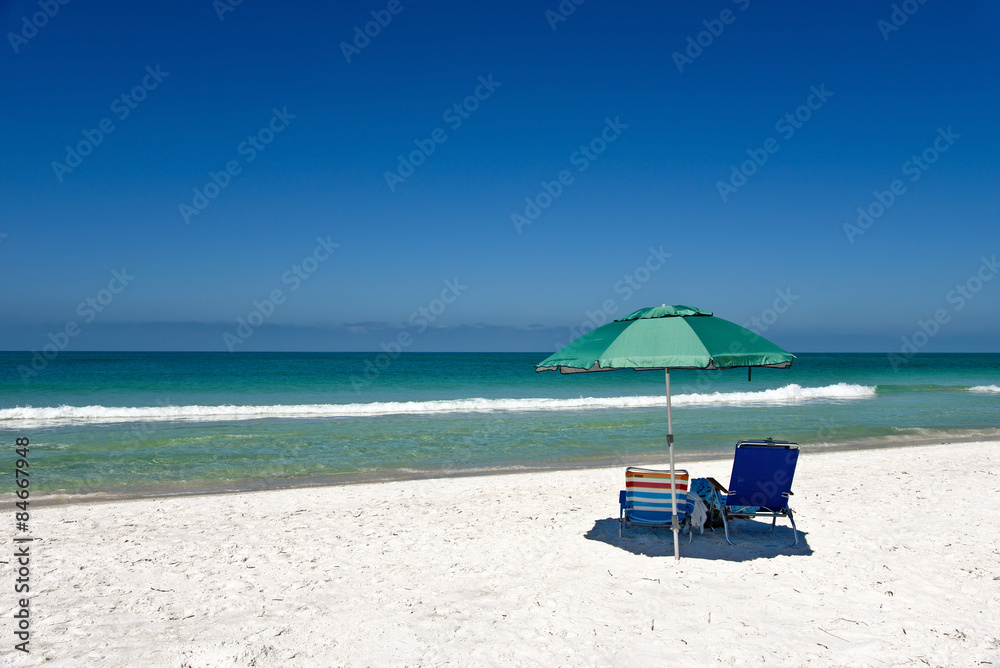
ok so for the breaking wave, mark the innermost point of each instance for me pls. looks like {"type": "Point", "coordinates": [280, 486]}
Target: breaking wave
{"type": "Point", "coordinates": [789, 394]}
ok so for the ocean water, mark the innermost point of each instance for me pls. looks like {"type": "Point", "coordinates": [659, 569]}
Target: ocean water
{"type": "Point", "coordinates": [161, 423]}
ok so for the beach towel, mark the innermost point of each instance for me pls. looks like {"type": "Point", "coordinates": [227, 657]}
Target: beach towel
{"type": "Point", "coordinates": [710, 500]}
{"type": "Point", "coordinates": [699, 514]}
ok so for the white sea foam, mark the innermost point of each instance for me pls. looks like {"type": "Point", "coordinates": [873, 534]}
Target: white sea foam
{"type": "Point", "coordinates": [789, 394]}
{"type": "Point", "coordinates": [985, 388]}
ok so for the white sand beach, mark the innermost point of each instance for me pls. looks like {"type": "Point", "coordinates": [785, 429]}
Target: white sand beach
{"type": "Point", "coordinates": [898, 564]}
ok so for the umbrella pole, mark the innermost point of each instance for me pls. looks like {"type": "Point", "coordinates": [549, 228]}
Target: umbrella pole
{"type": "Point", "coordinates": [673, 481]}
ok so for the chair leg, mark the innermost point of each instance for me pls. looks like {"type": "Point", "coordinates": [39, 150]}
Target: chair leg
{"type": "Point", "coordinates": [795, 532]}
{"type": "Point", "coordinates": [725, 525]}
{"type": "Point", "coordinates": [774, 521]}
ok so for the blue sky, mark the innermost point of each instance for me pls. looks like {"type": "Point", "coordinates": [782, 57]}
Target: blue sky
{"type": "Point", "coordinates": [641, 137]}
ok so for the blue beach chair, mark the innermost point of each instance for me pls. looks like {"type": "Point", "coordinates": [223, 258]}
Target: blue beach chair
{"type": "Point", "coordinates": [760, 484]}
{"type": "Point", "coordinates": [647, 499]}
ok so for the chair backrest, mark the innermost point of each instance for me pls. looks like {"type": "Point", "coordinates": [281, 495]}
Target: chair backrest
{"type": "Point", "coordinates": [648, 492]}
{"type": "Point", "coordinates": [762, 474]}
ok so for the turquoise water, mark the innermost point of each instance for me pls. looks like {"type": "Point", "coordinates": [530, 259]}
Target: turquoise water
{"type": "Point", "coordinates": [124, 423]}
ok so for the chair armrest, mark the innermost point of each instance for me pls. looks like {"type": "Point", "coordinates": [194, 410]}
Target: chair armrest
{"type": "Point", "coordinates": [621, 498]}
{"type": "Point", "coordinates": [717, 485]}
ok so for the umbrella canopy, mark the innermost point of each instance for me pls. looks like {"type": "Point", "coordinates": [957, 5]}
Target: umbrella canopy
{"type": "Point", "coordinates": [667, 337]}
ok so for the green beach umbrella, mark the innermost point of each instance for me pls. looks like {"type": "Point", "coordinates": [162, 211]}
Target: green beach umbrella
{"type": "Point", "coordinates": [667, 337]}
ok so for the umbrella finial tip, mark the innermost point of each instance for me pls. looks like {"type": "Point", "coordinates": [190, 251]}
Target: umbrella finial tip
{"type": "Point", "coordinates": [663, 305]}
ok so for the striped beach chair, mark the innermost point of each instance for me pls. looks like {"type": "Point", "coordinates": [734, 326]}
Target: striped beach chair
{"type": "Point", "coordinates": [647, 499]}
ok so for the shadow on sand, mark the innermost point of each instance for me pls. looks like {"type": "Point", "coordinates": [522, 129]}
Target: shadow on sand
{"type": "Point", "coordinates": [754, 540]}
